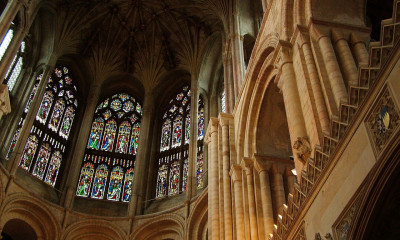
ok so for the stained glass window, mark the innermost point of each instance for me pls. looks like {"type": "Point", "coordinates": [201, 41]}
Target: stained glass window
{"type": "Point", "coordinates": [15, 68]}
{"type": "Point", "coordinates": [44, 149]}
{"type": "Point", "coordinates": [6, 42]}
{"type": "Point", "coordinates": [112, 146]}
{"type": "Point", "coordinates": [172, 174]}
{"type": "Point", "coordinates": [200, 168]}
{"type": "Point", "coordinates": [99, 183]}
{"type": "Point", "coordinates": [200, 117]}
{"type": "Point", "coordinates": [109, 135]}
{"type": "Point", "coordinates": [85, 180]}
{"type": "Point", "coordinates": [223, 101]}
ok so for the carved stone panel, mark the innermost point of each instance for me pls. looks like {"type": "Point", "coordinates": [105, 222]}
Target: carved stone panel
{"type": "Point", "coordinates": [383, 120]}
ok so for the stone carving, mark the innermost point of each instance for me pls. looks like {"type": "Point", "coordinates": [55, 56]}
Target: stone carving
{"type": "Point", "coordinates": [5, 107]}
{"type": "Point", "coordinates": [318, 236]}
{"type": "Point", "coordinates": [383, 120]}
{"type": "Point", "coordinates": [303, 148]}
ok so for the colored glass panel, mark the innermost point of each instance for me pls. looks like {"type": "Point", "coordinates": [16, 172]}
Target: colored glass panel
{"type": "Point", "coordinates": [29, 152]}
{"type": "Point", "coordinates": [165, 135]}
{"type": "Point", "coordinates": [123, 96]}
{"type": "Point", "coordinates": [54, 168]}
{"type": "Point", "coordinates": [13, 143]}
{"type": "Point", "coordinates": [42, 160]}
{"type": "Point", "coordinates": [99, 183]}
{"type": "Point", "coordinates": [200, 133]}
{"type": "Point", "coordinates": [123, 137]}
{"type": "Point", "coordinates": [85, 180]}
{"type": "Point", "coordinates": [114, 188]}
{"type": "Point", "coordinates": [128, 106]}
{"type": "Point", "coordinates": [65, 70]}
{"type": "Point", "coordinates": [173, 187]}
{"type": "Point", "coordinates": [177, 132]}
{"type": "Point", "coordinates": [107, 114]}
{"type": "Point", "coordinates": [184, 174]}
{"type": "Point", "coordinates": [116, 105]}
{"type": "Point", "coordinates": [223, 102]}
{"type": "Point", "coordinates": [179, 96]}
{"type": "Point", "coordinates": [161, 190]}
{"type": "Point", "coordinates": [128, 184]}
{"type": "Point", "coordinates": [133, 118]}
{"type": "Point", "coordinates": [68, 80]}
{"type": "Point", "coordinates": [187, 129]}
{"type": "Point", "coordinates": [45, 106]}
{"type": "Point", "coordinates": [15, 73]}
{"type": "Point", "coordinates": [109, 135]}
{"type": "Point", "coordinates": [95, 133]}
{"type": "Point", "coordinates": [200, 170]}
{"type": "Point", "coordinates": [120, 114]}
{"type": "Point", "coordinates": [67, 122]}
{"type": "Point", "coordinates": [32, 95]}
{"type": "Point", "coordinates": [134, 139]}
{"type": "Point", "coordinates": [58, 72]}
{"type": "Point", "coordinates": [57, 114]}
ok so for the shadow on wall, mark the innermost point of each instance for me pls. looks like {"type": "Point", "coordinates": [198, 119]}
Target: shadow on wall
{"type": "Point", "coordinates": [16, 229]}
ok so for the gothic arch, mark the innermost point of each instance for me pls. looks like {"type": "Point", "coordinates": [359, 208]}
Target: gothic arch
{"type": "Point", "coordinates": [93, 229]}
{"type": "Point", "coordinates": [168, 226]}
{"type": "Point", "coordinates": [198, 218]}
{"type": "Point", "coordinates": [32, 212]}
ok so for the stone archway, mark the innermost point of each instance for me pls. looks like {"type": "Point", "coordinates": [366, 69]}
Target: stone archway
{"type": "Point", "coordinates": [17, 229]}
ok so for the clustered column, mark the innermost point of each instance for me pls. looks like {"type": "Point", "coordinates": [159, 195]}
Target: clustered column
{"type": "Point", "coordinates": [213, 195]}
{"type": "Point", "coordinates": [247, 166]}
{"type": "Point", "coordinates": [224, 122]}
{"type": "Point", "coordinates": [346, 59]}
{"type": "Point", "coordinates": [278, 188]}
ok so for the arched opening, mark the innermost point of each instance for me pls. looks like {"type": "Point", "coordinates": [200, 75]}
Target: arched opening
{"type": "Point", "coordinates": [273, 137]}
{"type": "Point", "coordinates": [248, 45]}
{"type": "Point", "coordinates": [376, 11]}
{"type": "Point", "coordinates": [16, 229]}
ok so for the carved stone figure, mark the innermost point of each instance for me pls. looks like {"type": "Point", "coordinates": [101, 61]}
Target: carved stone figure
{"type": "Point", "coordinates": [303, 148]}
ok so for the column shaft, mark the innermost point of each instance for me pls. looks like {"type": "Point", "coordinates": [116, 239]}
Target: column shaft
{"type": "Point", "coordinates": [228, 83]}
{"type": "Point", "coordinates": [192, 162]}
{"type": "Point", "coordinates": [347, 62]}
{"type": "Point", "coordinates": [268, 216]}
{"type": "Point", "coordinates": [8, 16]}
{"type": "Point", "coordinates": [334, 74]}
{"type": "Point", "coordinates": [252, 204]}
{"type": "Point", "coordinates": [239, 211]}
{"type": "Point", "coordinates": [213, 196]}
{"type": "Point", "coordinates": [361, 53]}
{"type": "Point", "coordinates": [279, 192]}
{"type": "Point", "coordinates": [227, 182]}
{"type": "Point", "coordinates": [316, 88]}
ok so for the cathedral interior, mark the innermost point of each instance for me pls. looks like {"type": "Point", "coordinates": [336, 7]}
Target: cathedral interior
{"type": "Point", "coordinates": [293, 132]}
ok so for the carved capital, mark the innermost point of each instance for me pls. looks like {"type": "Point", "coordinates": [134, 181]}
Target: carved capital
{"type": "Point", "coordinates": [236, 173]}
{"type": "Point", "coordinates": [225, 118]}
{"type": "Point", "coordinates": [212, 128]}
{"type": "Point", "coordinates": [302, 149]}
{"type": "Point", "coordinates": [338, 35]}
{"type": "Point", "coordinates": [247, 165]}
{"type": "Point", "coordinates": [5, 106]}
{"type": "Point", "coordinates": [261, 166]}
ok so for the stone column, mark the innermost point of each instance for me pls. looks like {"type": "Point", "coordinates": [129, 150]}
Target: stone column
{"type": "Point", "coordinates": [247, 165]}
{"type": "Point", "coordinates": [346, 59]}
{"type": "Point", "coordinates": [278, 188]}
{"type": "Point", "coordinates": [237, 51]}
{"type": "Point", "coordinates": [28, 123]}
{"type": "Point", "coordinates": [8, 16]}
{"type": "Point", "coordinates": [224, 122]}
{"type": "Point", "coordinates": [361, 53]}
{"type": "Point", "coordinates": [192, 153]}
{"type": "Point", "coordinates": [228, 81]}
{"type": "Point", "coordinates": [236, 175]}
{"type": "Point", "coordinates": [287, 84]}
{"type": "Point", "coordinates": [316, 86]}
{"type": "Point", "coordinates": [213, 188]}
{"type": "Point", "coordinates": [291, 179]}
{"type": "Point", "coordinates": [5, 106]}
{"type": "Point", "coordinates": [268, 216]}
{"type": "Point", "coordinates": [142, 157]}
{"type": "Point", "coordinates": [335, 76]}
{"type": "Point", "coordinates": [11, 51]}
{"type": "Point", "coordinates": [81, 143]}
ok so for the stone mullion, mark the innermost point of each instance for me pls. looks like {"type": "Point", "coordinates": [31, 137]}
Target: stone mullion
{"type": "Point", "coordinates": [8, 16]}
{"type": "Point", "coordinates": [236, 175]}
{"type": "Point", "coordinates": [28, 123]}
{"type": "Point", "coordinates": [213, 195]}
{"type": "Point", "coordinates": [335, 76]}
{"type": "Point", "coordinates": [11, 52]}
{"type": "Point", "coordinates": [248, 169]}
{"type": "Point", "coordinates": [287, 84]}
{"type": "Point", "coordinates": [80, 144]}
{"type": "Point", "coordinates": [142, 156]}
{"type": "Point", "coordinates": [226, 179]}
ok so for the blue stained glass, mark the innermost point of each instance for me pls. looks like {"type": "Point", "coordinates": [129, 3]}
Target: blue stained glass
{"type": "Point", "coordinates": [45, 106]}
{"type": "Point", "coordinates": [134, 139]}
{"type": "Point", "coordinates": [109, 136]}
{"type": "Point", "coordinates": [116, 105]}
{"type": "Point", "coordinates": [174, 178]}
{"type": "Point", "coordinates": [128, 184]}
{"type": "Point", "coordinates": [41, 161]}
{"type": "Point", "coordinates": [29, 152]}
{"type": "Point", "coordinates": [99, 183]}
{"type": "Point", "coordinates": [85, 180]}
{"type": "Point", "coordinates": [54, 167]}
{"type": "Point", "coordinates": [95, 133]}
{"type": "Point", "coordinates": [57, 114]}
{"type": "Point", "coordinates": [123, 137]}
{"type": "Point", "coordinates": [161, 190]}
{"type": "Point", "coordinates": [114, 188]}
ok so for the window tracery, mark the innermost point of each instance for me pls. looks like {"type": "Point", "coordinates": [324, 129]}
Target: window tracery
{"type": "Point", "coordinates": [108, 166]}
{"type": "Point", "coordinates": [46, 144]}
{"type": "Point", "coordinates": [174, 145]}
{"type": "Point", "coordinates": [15, 68]}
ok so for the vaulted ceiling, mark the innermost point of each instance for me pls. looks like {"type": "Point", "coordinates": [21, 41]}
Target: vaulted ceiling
{"type": "Point", "coordinates": [148, 39]}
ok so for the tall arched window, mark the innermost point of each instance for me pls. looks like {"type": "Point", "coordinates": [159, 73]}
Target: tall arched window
{"type": "Point", "coordinates": [108, 166]}
{"type": "Point", "coordinates": [46, 144]}
{"type": "Point", "coordinates": [6, 40]}
{"type": "Point", "coordinates": [15, 67]}
{"type": "Point", "coordinates": [174, 144]}
{"type": "Point", "coordinates": [22, 119]}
